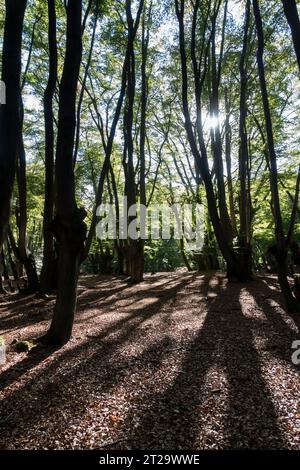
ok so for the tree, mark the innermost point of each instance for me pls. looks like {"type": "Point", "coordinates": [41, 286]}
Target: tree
{"type": "Point", "coordinates": [110, 137]}
{"type": "Point", "coordinates": [245, 209]}
{"type": "Point", "coordinates": [48, 267]}
{"type": "Point", "coordinates": [222, 232]}
{"type": "Point", "coordinates": [281, 246]}
{"type": "Point", "coordinates": [68, 225]}
{"type": "Point", "coordinates": [10, 123]}
{"type": "Point", "coordinates": [25, 256]}
{"type": "Point", "coordinates": [134, 249]}
{"type": "Point", "coordinates": [291, 13]}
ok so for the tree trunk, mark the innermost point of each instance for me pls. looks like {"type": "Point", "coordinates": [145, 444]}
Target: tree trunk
{"type": "Point", "coordinates": [291, 13]}
{"type": "Point", "coordinates": [68, 225]}
{"type": "Point", "coordinates": [140, 261]}
{"type": "Point", "coordinates": [183, 255]}
{"type": "Point", "coordinates": [2, 289]}
{"type": "Point", "coordinates": [134, 260]}
{"type": "Point", "coordinates": [12, 263]}
{"type": "Point", "coordinates": [67, 278]}
{"type": "Point", "coordinates": [135, 248]}
{"type": "Point", "coordinates": [281, 248]}
{"type": "Point", "coordinates": [228, 137]}
{"type": "Point", "coordinates": [109, 146]}
{"type": "Point", "coordinates": [244, 232]}
{"type": "Point", "coordinates": [216, 139]}
{"type": "Point", "coordinates": [6, 273]}
{"type": "Point", "coordinates": [235, 268]}
{"type": "Point", "coordinates": [15, 250]}
{"type": "Point", "coordinates": [9, 113]}
{"type": "Point", "coordinates": [25, 256]}
{"type": "Point", "coordinates": [49, 262]}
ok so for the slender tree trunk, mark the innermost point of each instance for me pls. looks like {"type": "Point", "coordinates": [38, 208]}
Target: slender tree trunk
{"type": "Point", "coordinates": [109, 146]}
{"type": "Point", "coordinates": [183, 255]}
{"type": "Point", "coordinates": [6, 273]}
{"type": "Point", "coordinates": [15, 251]}
{"type": "Point", "coordinates": [83, 84]}
{"type": "Point", "coordinates": [144, 101]}
{"type": "Point", "coordinates": [131, 248]}
{"type": "Point", "coordinates": [9, 113]}
{"type": "Point", "coordinates": [2, 288]}
{"type": "Point", "coordinates": [228, 137]}
{"type": "Point", "coordinates": [234, 268]}
{"type": "Point", "coordinates": [244, 232]}
{"type": "Point", "coordinates": [133, 253]}
{"type": "Point", "coordinates": [291, 13]}
{"type": "Point", "coordinates": [12, 263]}
{"type": "Point", "coordinates": [294, 210]}
{"type": "Point", "coordinates": [49, 262]}
{"type": "Point", "coordinates": [26, 256]}
{"type": "Point", "coordinates": [216, 138]}
{"type": "Point", "coordinates": [281, 248]}
{"type": "Point", "coordinates": [68, 225]}
{"type": "Point", "coordinates": [118, 242]}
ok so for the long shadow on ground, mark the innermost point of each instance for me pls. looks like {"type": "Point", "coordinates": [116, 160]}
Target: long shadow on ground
{"type": "Point", "coordinates": [216, 397]}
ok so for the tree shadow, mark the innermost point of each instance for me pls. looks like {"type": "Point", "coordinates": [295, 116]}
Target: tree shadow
{"type": "Point", "coordinates": [216, 398]}
{"type": "Point", "coordinates": [281, 328]}
{"type": "Point", "coordinates": [185, 416]}
{"type": "Point", "coordinates": [56, 381]}
{"type": "Point", "coordinates": [20, 312]}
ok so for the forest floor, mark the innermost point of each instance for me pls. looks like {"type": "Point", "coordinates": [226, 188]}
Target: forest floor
{"type": "Point", "coordinates": [181, 361]}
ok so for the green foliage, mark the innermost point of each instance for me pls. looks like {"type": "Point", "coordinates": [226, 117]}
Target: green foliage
{"type": "Point", "coordinates": [162, 255]}
{"type": "Point", "coordinates": [171, 175]}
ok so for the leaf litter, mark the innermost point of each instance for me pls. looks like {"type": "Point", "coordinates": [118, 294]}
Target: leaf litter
{"type": "Point", "coordinates": [181, 361]}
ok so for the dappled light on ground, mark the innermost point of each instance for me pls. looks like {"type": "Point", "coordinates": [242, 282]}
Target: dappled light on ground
{"type": "Point", "coordinates": [180, 361]}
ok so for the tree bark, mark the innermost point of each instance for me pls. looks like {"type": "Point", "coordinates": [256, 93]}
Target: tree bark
{"type": "Point", "coordinates": [49, 262]}
{"type": "Point", "coordinates": [244, 200]}
{"type": "Point", "coordinates": [294, 210]}
{"type": "Point", "coordinates": [6, 273]}
{"type": "Point", "coordinates": [2, 288]}
{"type": "Point", "coordinates": [281, 248]}
{"type": "Point", "coordinates": [291, 13]}
{"type": "Point", "coordinates": [216, 138]}
{"type": "Point", "coordinates": [68, 225]}
{"type": "Point", "coordinates": [15, 250]}
{"type": "Point", "coordinates": [12, 263]}
{"type": "Point", "coordinates": [85, 76]}
{"type": "Point", "coordinates": [26, 257]}
{"type": "Point", "coordinates": [228, 137]}
{"type": "Point", "coordinates": [9, 113]}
